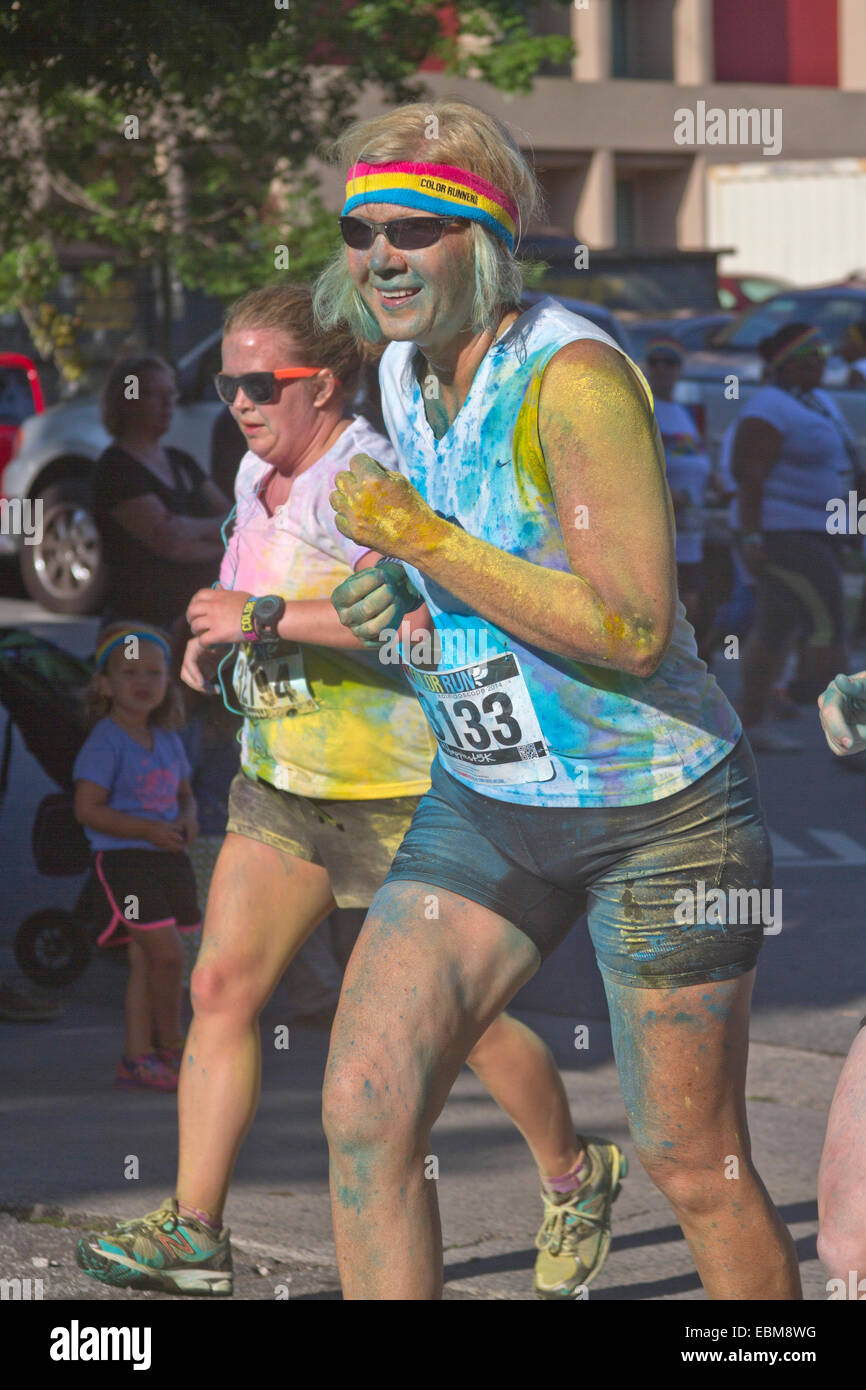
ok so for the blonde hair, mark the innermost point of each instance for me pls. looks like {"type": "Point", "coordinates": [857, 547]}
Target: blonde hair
{"type": "Point", "coordinates": [289, 309]}
{"type": "Point", "coordinates": [169, 713]}
{"type": "Point", "coordinates": [114, 404]}
{"type": "Point", "coordinates": [467, 138]}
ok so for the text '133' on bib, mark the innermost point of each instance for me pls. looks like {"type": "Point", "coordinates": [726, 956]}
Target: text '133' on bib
{"type": "Point", "coordinates": [484, 721]}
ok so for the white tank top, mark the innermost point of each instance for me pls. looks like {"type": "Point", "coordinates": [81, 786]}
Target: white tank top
{"type": "Point", "coordinates": [535, 727]}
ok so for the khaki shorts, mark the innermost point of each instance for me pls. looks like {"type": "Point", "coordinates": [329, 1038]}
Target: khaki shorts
{"type": "Point", "coordinates": [354, 840]}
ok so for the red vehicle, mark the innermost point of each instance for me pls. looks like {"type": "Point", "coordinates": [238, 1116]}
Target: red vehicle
{"type": "Point", "coordinates": [20, 397]}
{"type": "Point", "coordinates": [740, 290]}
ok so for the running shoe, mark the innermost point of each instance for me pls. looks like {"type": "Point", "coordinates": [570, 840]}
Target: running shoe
{"type": "Point", "coordinates": [145, 1073]}
{"type": "Point", "coordinates": [170, 1057]}
{"type": "Point", "coordinates": [575, 1234]}
{"type": "Point", "coordinates": [164, 1251]}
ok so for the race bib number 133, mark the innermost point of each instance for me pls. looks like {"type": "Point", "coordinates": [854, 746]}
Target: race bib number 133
{"type": "Point", "coordinates": [484, 721]}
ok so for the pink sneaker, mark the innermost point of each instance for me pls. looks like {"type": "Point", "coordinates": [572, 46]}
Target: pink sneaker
{"type": "Point", "coordinates": [145, 1073]}
{"type": "Point", "coordinates": [170, 1057]}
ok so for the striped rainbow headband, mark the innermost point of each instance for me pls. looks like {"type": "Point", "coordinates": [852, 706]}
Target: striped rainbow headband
{"type": "Point", "coordinates": [663, 342]}
{"type": "Point", "coordinates": [810, 340]}
{"type": "Point", "coordinates": [104, 650]}
{"type": "Point", "coordinates": [438, 188]}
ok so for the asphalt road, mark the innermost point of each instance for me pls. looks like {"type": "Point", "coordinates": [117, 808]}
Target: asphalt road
{"type": "Point", "coordinates": [68, 1133]}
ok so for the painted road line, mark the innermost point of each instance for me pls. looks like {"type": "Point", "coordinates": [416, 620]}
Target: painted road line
{"type": "Point", "coordinates": [839, 843]}
{"type": "Point", "coordinates": [784, 849]}
{"type": "Point", "coordinates": [845, 851]}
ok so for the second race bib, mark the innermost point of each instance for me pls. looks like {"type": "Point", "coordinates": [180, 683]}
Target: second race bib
{"type": "Point", "coordinates": [269, 681]}
{"type": "Point", "coordinates": [484, 721]}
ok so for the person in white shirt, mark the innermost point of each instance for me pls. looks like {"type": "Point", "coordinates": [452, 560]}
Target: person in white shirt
{"type": "Point", "coordinates": [792, 455]}
{"type": "Point", "coordinates": [687, 465]}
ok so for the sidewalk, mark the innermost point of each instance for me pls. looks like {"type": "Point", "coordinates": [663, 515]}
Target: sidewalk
{"type": "Point", "coordinates": [69, 1135]}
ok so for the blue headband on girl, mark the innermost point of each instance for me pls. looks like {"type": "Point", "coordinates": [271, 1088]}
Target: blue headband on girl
{"type": "Point", "coordinates": [107, 647]}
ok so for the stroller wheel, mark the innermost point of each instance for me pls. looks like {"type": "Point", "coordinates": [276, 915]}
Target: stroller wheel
{"type": "Point", "coordinates": [51, 947]}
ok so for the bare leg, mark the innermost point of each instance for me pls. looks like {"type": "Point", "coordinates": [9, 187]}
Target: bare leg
{"type": "Point", "coordinates": [518, 1069]}
{"type": "Point", "coordinates": [414, 1004]}
{"type": "Point", "coordinates": [842, 1176]}
{"type": "Point", "coordinates": [162, 953]}
{"type": "Point", "coordinates": [681, 1056]}
{"type": "Point", "coordinates": [262, 906]}
{"type": "Point", "coordinates": [762, 669]}
{"type": "Point", "coordinates": [139, 1018]}
{"type": "Point", "coordinates": [413, 1007]}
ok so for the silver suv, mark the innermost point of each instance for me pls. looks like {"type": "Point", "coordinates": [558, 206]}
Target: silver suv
{"type": "Point", "coordinates": [53, 463]}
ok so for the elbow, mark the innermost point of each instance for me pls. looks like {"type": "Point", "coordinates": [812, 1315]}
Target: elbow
{"type": "Point", "coordinates": [646, 661]}
{"type": "Point", "coordinates": [639, 646]}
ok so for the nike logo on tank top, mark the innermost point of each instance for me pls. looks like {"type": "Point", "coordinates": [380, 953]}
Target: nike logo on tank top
{"type": "Point", "coordinates": [537, 728]}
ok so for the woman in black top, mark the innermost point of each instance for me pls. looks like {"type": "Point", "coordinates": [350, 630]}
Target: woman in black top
{"type": "Point", "coordinates": [159, 516]}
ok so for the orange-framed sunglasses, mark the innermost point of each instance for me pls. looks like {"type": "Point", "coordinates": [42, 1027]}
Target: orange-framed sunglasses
{"type": "Point", "coordinates": [259, 387]}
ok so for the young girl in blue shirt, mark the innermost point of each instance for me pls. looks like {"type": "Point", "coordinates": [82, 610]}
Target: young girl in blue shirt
{"type": "Point", "coordinates": [133, 797]}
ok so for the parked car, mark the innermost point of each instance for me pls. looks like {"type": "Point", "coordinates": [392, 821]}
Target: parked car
{"type": "Point", "coordinates": [53, 461]}
{"type": "Point", "coordinates": [742, 290]}
{"type": "Point", "coordinates": [733, 364]}
{"type": "Point", "coordinates": [693, 332]}
{"type": "Point", "coordinates": [20, 397]}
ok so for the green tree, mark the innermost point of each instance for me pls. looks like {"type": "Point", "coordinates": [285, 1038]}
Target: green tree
{"type": "Point", "coordinates": [179, 134]}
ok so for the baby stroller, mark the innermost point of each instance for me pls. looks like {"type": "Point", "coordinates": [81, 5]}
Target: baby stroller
{"type": "Point", "coordinates": [40, 688]}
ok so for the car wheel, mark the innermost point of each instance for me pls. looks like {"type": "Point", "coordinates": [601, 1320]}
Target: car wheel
{"type": "Point", "coordinates": [65, 571]}
{"type": "Point", "coordinates": [51, 947]}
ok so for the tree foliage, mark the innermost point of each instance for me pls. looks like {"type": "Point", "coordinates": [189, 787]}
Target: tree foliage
{"type": "Point", "coordinates": [178, 134]}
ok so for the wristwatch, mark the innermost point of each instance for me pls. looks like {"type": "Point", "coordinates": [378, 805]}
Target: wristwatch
{"type": "Point", "coordinates": [260, 616]}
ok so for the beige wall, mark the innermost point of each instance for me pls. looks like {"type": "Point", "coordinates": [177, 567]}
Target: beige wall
{"type": "Point", "coordinates": [693, 42]}
{"type": "Point", "coordinates": [590, 32]}
{"type": "Point", "coordinates": [852, 44]}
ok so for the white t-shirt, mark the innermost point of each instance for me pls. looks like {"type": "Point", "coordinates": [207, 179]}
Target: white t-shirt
{"type": "Point", "coordinates": [688, 470]}
{"type": "Point", "coordinates": [729, 483]}
{"type": "Point", "coordinates": [321, 721]}
{"type": "Point", "coordinates": [813, 465]}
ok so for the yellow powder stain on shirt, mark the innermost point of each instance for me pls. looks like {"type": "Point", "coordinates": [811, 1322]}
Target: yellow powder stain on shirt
{"type": "Point", "coordinates": [527, 452]}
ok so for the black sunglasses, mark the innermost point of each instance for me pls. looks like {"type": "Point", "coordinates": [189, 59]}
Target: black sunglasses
{"type": "Point", "coordinates": [258, 387]}
{"type": "Point", "coordinates": [663, 361]}
{"type": "Point", "coordinates": [405, 233]}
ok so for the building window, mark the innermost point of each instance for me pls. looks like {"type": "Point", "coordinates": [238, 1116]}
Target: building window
{"type": "Point", "coordinates": [642, 39]}
{"type": "Point", "coordinates": [619, 45]}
